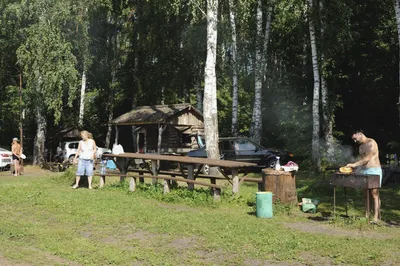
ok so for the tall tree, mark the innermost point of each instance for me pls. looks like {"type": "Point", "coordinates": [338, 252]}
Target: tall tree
{"type": "Point", "coordinates": [210, 112]}
{"type": "Point", "coordinates": [397, 12]}
{"type": "Point", "coordinates": [49, 67]}
{"type": "Point", "coordinates": [316, 95]}
{"type": "Point", "coordinates": [256, 123]}
{"type": "Point", "coordinates": [235, 90]}
{"type": "Point", "coordinates": [326, 110]}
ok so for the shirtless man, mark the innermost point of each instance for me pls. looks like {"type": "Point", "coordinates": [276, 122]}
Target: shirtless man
{"type": "Point", "coordinates": [16, 154]}
{"type": "Point", "coordinates": [369, 164]}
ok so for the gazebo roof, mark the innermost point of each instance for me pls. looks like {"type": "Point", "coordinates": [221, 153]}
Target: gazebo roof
{"type": "Point", "coordinates": [145, 115]}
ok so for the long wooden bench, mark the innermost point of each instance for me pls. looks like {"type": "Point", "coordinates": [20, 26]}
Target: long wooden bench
{"type": "Point", "coordinates": [132, 182]}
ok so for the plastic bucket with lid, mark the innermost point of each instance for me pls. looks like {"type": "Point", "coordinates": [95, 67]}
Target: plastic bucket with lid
{"type": "Point", "coordinates": [264, 204]}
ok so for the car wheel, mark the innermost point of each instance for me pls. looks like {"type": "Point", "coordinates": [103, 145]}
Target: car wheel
{"type": "Point", "coordinates": [71, 159]}
{"type": "Point", "coordinates": [272, 163]}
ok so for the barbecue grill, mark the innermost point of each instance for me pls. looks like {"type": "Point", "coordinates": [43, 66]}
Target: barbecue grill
{"type": "Point", "coordinates": [355, 180]}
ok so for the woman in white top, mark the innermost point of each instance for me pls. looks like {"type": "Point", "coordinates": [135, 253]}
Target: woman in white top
{"type": "Point", "coordinates": [87, 154]}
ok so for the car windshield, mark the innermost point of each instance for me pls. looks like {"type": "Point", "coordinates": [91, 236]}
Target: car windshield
{"type": "Point", "coordinates": [244, 144]}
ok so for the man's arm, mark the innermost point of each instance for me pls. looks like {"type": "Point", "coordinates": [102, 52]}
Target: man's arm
{"type": "Point", "coordinates": [367, 157]}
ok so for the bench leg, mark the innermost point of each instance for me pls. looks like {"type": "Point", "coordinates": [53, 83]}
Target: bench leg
{"type": "Point", "coordinates": [190, 176]}
{"type": "Point", "coordinates": [141, 178]}
{"type": "Point", "coordinates": [166, 186]}
{"type": "Point", "coordinates": [216, 192]}
{"type": "Point", "coordinates": [102, 181]}
{"type": "Point", "coordinates": [132, 184]}
{"type": "Point", "coordinates": [235, 181]}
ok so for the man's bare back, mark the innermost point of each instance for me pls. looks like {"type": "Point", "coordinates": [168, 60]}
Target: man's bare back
{"type": "Point", "coordinates": [368, 150]}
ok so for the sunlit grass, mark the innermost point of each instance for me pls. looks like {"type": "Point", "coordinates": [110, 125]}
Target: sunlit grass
{"type": "Point", "coordinates": [45, 222]}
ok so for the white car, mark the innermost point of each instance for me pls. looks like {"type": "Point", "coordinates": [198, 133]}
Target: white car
{"type": "Point", "coordinates": [68, 150]}
{"type": "Point", "coordinates": [5, 158]}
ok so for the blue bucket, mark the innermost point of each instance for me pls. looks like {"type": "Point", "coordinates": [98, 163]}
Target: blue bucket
{"type": "Point", "coordinates": [264, 204]}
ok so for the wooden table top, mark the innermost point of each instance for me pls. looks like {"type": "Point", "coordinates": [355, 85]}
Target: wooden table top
{"type": "Point", "coordinates": [183, 159]}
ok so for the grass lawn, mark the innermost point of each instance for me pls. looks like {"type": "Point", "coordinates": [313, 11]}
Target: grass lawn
{"type": "Point", "coordinates": [45, 222]}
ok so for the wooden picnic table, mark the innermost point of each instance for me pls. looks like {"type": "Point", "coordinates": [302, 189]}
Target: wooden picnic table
{"type": "Point", "coordinates": [229, 169]}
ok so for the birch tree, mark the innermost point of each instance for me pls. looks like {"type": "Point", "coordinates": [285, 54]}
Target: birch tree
{"type": "Point", "coordinates": [397, 11]}
{"type": "Point", "coordinates": [316, 94]}
{"type": "Point", "coordinates": [256, 124]}
{"type": "Point", "coordinates": [326, 113]}
{"type": "Point", "coordinates": [49, 68]}
{"type": "Point", "coordinates": [210, 84]}
{"type": "Point", "coordinates": [235, 96]}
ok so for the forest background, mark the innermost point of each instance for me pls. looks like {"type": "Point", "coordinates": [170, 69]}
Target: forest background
{"type": "Point", "coordinates": [294, 74]}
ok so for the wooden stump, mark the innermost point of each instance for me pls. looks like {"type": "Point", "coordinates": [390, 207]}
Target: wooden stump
{"type": "Point", "coordinates": [281, 184]}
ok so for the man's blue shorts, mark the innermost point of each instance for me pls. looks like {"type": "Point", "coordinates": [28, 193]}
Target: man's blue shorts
{"type": "Point", "coordinates": [85, 167]}
{"type": "Point", "coordinates": [374, 171]}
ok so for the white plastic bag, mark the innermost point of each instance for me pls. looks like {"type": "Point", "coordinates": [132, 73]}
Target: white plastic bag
{"type": "Point", "coordinates": [117, 149]}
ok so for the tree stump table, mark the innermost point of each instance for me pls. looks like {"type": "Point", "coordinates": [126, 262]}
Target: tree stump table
{"type": "Point", "coordinates": [281, 184]}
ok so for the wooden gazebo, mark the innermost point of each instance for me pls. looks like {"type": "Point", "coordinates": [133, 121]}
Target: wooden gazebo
{"type": "Point", "coordinates": [164, 129]}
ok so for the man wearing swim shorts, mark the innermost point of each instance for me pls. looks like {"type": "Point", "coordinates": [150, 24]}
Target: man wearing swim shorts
{"type": "Point", "coordinates": [369, 164]}
{"type": "Point", "coordinates": [16, 155]}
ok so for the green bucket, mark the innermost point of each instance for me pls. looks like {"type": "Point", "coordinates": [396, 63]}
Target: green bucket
{"type": "Point", "coordinates": [264, 204]}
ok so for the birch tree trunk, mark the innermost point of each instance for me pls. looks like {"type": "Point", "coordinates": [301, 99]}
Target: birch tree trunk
{"type": "Point", "coordinates": [210, 85]}
{"type": "Point", "coordinates": [256, 124]}
{"type": "Point", "coordinates": [316, 96]}
{"type": "Point", "coordinates": [326, 113]}
{"type": "Point", "coordinates": [110, 117]}
{"type": "Point", "coordinates": [235, 96]}
{"type": "Point", "coordinates": [40, 138]}
{"type": "Point", "coordinates": [199, 95]}
{"type": "Point", "coordinates": [266, 41]}
{"type": "Point", "coordinates": [397, 10]}
{"type": "Point", "coordinates": [82, 103]}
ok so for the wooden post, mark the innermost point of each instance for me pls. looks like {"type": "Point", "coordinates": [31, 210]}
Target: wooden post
{"type": "Point", "coordinates": [216, 192]}
{"type": "Point", "coordinates": [102, 181]}
{"type": "Point", "coordinates": [132, 184]}
{"type": "Point", "coordinates": [366, 193]}
{"type": "Point", "coordinates": [116, 135]}
{"type": "Point", "coordinates": [190, 176]}
{"type": "Point", "coordinates": [235, 181]}
{"type": "Point", "coordinates": [154, 170]}
{"type": "Point", "coordinates": [281, 184]}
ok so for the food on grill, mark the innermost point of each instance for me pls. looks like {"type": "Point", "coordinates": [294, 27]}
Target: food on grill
{"type": "Point", "coordinates": [345, 170]}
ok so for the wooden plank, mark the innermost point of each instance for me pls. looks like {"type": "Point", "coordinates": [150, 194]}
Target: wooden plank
{"type": "Point", "coordinates": [185, 180]}
{"type": "Point", "coordinates": [183, 159]}
{"type": "Point", "coordinates": [167, 178]}
{"type": "Point", "coordinates": [252, 179]}
{"type": "Point", "coordinates": [144, 171]}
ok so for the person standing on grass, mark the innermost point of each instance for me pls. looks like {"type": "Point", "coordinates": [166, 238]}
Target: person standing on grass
{"type": "Point", "coordinates": [369, 164]}
{"type": "Point", "coordinates": [16, 155]}
{"type": "Point", "coordinates": [87, 154]}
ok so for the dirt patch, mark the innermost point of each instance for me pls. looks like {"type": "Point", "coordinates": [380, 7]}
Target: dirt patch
{"type": "Point", "coordinates": [316, 228]}
{"type": "Point", "coordinates": [86, 234]}
{"type": "Point", "coordinates": [6, 262]}
{"type": "Point", "coordinates": [176, 207]}
{"type": "Point", "coordinates": [258, 262]}
{"type": "Point", "coordinates": [54, 259]}
{"type": "Point", "coordinates": [311, 259]}
{"type": "Point", "coordinates": [214, 257]}
{"type": "Point", "coordinates": [184, 243]}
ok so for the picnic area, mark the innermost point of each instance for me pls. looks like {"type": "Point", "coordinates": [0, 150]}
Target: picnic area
{"type": "Point", "coordinates": [45, 222]}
